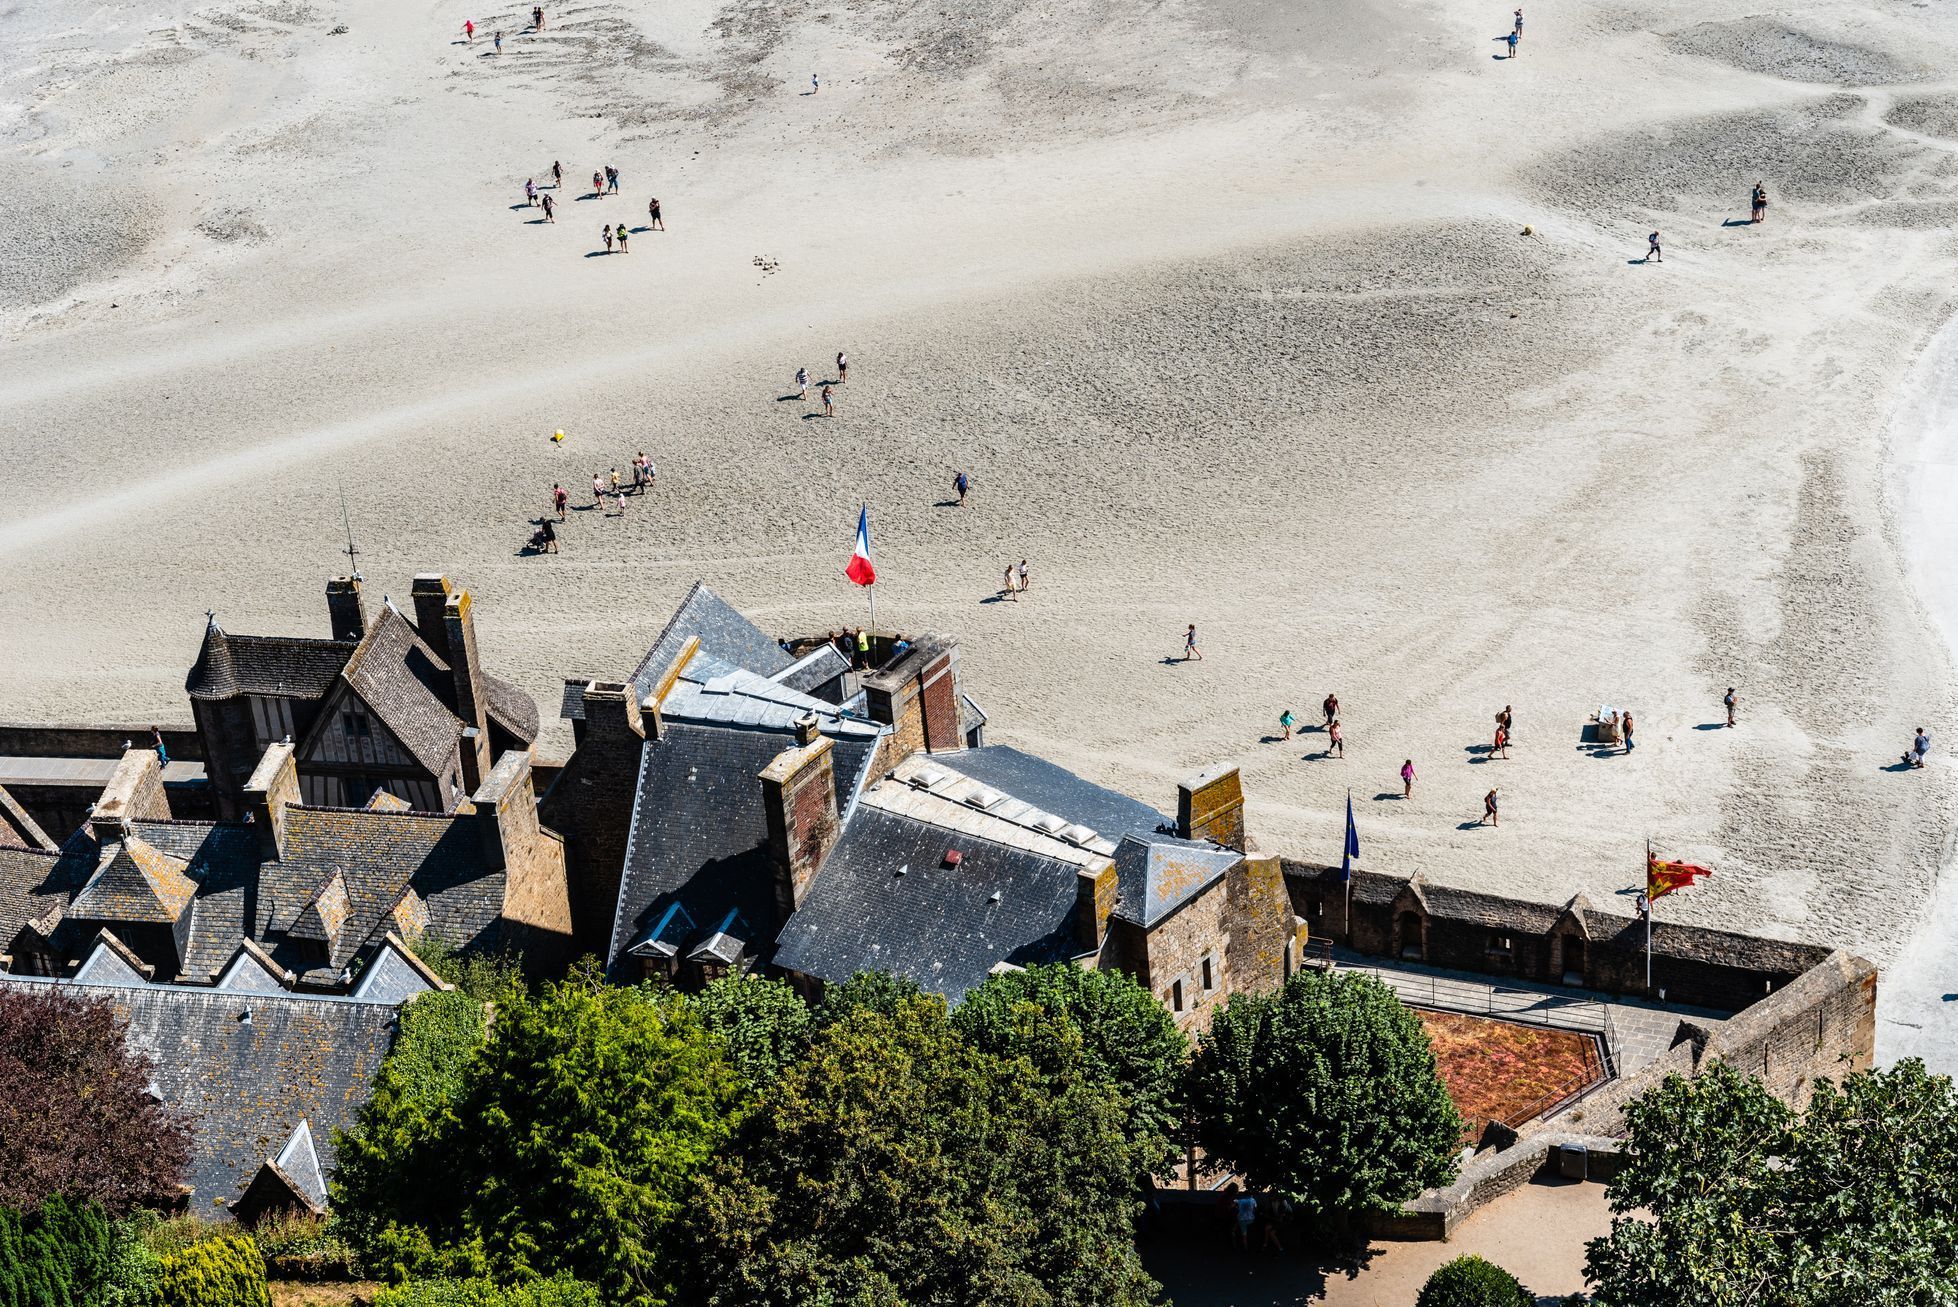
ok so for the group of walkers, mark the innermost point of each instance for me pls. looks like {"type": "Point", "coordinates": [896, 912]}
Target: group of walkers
{"type": "Point", "coordinates": [826, 394]}
{"type": "Point", "coordinates": [1015, 583]}
{"type": "Point", "coordinates": [469, 28]}
{"type": "Point", "coordinates": [604, 182]}
{"type": "Point", "coordinates": [608, 496]}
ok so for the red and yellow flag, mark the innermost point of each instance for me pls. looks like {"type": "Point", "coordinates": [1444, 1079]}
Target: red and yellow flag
{"type": "Point", "coordinates": [1662, 878]}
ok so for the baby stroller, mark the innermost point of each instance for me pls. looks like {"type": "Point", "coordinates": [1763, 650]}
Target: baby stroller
{"type": "Point", "coordinates": [544, 539]}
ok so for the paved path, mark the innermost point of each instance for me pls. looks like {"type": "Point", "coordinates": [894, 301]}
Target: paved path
{"type": "Point", "coordinates": [1537, 1233]}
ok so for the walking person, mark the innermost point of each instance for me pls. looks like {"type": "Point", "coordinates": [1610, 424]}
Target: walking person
{"type": "Point", "coordinates": [613, 477]}
{"type": "Point", "coordinates": [815, 84]}
{"type": "Point", "coordinates": [842, 367]}
{"type": "Point", "coordinates": [499, 41]}
{"type": "Point", "coordinates": [560, 499]}
{"type": "Point", "coordinates": [1500, 749]}
{"type": "Point", "coordinates": [622, 244]}
{"type": "Point", "coordinates": [1919, 746]}
{"type": "Point", "coordinates": [597, 491]}
{"type": "Point", "coordinates": [1331, 708]}
{"type": "Point", "coordinates": [1245, 1208]}
{"type": "Point", "coordinates": [1732, 701]}
{"type": "Point", "coordinates": [529, 191]}
{"type": "Point", "coordinates": [863, 647]}
{"type": "Point", "coordinates": [1625, 730]}
{"type": "Point", "coordinates": [618, 499]}
{"type": "Point", "coordinates": [1006, 588]}
{"type": "Point", "coordinates": [1335, 740]}
{"type": "Point", "coordinates": [1407, 779]}
{"type": "Point", "coordinates": [607, 233]}
{"type": "Point", "coordinates": [597, 184]}
{"type": "Point", "coordinates": [960, 484]}
{"type": "Point", "coordinates": [163, 753]}
{"type": "Point", "coordinates": [802, 383]}
{"type": "Point", "coordinates": [611, 180]}
{"type": "Point", "coordinates": [653, 221]}
{"type": "Point", "coordinates": [1023, 576]}
{"type": "Point", "coordinates": [829, 407]}
{"type": "Point", "coordinates": [469, 30]}
{"type": "Point", "coordinates": [1513, 38]}
{"type": "Point", "coordinates": [536, 19]}
{"type": "Point", "coordinates": [550, 209]}
{"type": "Point", "coordinates": [1652, 253]}
{"type": "Point", "coordinates": [1507, 720]}
{"type": "Point", "coordinates": [557, 175]}
{"type": "Point", "coordinates": [549, 534]}
{"type": "Point", "coordinates": [1759, 207]}
{"type": "Point", "coordinates": [1286, 720]}
{"type": "Point", "coordinates": [1190, 650]}
{"type": "Point", "coordinates": [1518, 29]}
{"type": "Point", "coordinates": [1489, 813]}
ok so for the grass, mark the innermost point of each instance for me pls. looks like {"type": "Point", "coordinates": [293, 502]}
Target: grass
{"type": "Point", "coordinates": [1503, 1071]}
{"type": "Point", "coordinates": [292, 1293]}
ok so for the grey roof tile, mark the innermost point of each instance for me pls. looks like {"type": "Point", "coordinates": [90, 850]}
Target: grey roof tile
{"type": "Point", "coordinates": [406, 684]}
{"type": "Point", "coordinates": [229, 665]}
{"type": "Point", "coordinates": [1154, 877]}
{"type": "Point", "coordinates": [135, 883]}
{"type": "Point", "coordinates": [1046, 785]}
{"type": "Point", "coordinates": [720, 628]}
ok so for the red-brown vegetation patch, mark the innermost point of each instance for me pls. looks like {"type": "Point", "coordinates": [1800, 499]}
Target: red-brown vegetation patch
{"type": "Point", "coordinates": [1503, 1071]}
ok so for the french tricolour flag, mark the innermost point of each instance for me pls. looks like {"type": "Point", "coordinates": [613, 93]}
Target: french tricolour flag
{"type": "Point", "coordinates": [861, 569]}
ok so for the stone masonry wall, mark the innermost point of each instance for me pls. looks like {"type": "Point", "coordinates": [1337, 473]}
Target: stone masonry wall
{"type": "Point", "coordinates": [1175, 948]}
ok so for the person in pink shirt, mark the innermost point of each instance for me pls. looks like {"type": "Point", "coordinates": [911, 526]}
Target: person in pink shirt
{"type": "Point", "coordinates": [1407, 779]}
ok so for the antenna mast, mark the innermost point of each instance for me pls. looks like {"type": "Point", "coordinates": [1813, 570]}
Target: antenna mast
{"type": "Point", "coordinates": [353, 555]}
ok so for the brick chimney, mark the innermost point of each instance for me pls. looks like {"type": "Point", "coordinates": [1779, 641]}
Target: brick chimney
{"type": "Point", "coordinates": [345, 609]}
{"type": "Point", "coordinates": [592, 803]}
{"type": "Point", "coordinates": [1094, 900]}
{"type": "Point", "coordinates": [798, 794]}
{"type": "Point", "coordinates": [431, 595]}
{"type": "Point", "coordinates": [472, 704]}
{"type": "Point", "coordinates": [1210, 806]}
{"type": "Point", "coordinates": [135, 790]}
{"type": "Point", "coordinates": [274, 785]}
{"type": "Point", "coordinates": [918, 697]}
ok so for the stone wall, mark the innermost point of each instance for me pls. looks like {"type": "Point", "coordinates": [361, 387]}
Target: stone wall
{"type": "Point", "coordinates": [22, 740]}
{"type": "Point", "coordinates": [590, 800]}
{"type": "Point", "coordinates": [1174, 951]}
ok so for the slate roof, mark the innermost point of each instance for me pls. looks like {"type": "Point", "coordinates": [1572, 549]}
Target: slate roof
{"type": "Point", "coordinates": [713, 690]}
{"type": "Point", "coordinates": [1155, 877]}
{"type": "Point", "coordinates": [247, 1083]}
{"type": "Point", "coordinates": [699, 835]}
{"type": "Point", "coordinates": [814, 669]}
{"type": "Point", "coordinates": [135, 882]}
{"type": "Point", "coordinates": [944, 927]}
{"type": "Point", "coordinates": [37, 886]}
{"type": "Point", "coordinates": [292, 666]}
{"type": "Point", "coordinates": [18, 830]}
{"type": "Point", "coordinates": [406, 684]}
{"type": "Point", "coordinates": [111, 963]}
{"type": "Point", "coordinates": [1059, 791]}
{"type": "Point", "coordinates": [720, 628]}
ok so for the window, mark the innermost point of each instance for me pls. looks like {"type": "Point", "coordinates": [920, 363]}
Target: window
{"type": "Point", "coordinates": [1209, 976]}
{"type": "Point", "coordinates": [1176, 997]}
{"type": "Point", "coordinates": [1501, 943]}
{"type": "Point", "coordinates": [1314, 910]}
{"type": "Point", "coordinates": [356, 725]}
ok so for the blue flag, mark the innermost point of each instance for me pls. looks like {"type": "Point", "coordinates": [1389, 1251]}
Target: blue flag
{"type": "Point", "coordinates": [1349, 855]}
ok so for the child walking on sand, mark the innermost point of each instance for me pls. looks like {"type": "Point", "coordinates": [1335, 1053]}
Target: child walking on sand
{"type": "Point", "coordinates": [1407, 779]}
{"type": "Point", "coordinates": [1190, 650]}
{"type": "Point", "coordinates": [1285, 719]}
{"type": "Point", "coordinates": [1489, 809]}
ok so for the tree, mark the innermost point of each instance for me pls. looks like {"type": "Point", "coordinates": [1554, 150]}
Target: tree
{"type": "Point", "coordinates": [1853, 1202]}
{"type": "Point", "coordinates": [568, 1142]}
{"type": "Point", "coordinates": [1326, 1092]}
{"type": "Point", "coordinates": [896, 1164]}
{"type": "Point", "coordinates": [56, 1255]}
{"type": "Point", "coordinates": [877, 990]}
{"type": "Point", "coordinates": [76, 1116]}
{"type": "Point", "coordinates": [1473, 1282]}
{"type": "Point", "coordinates": [764, 1023]}
{"type": "Point", "coordinates": [1128, 1041]}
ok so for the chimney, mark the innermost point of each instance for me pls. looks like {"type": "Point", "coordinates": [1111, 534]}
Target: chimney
{"type": "Point", "coordinates": [135, 790]}
{"type": "Point", "coordinates": [274, 785]}
{"type": "Point", "coordinates": [466, 668]}
{"type": "Point", "coordinates": [611, 717]}
{"type": "Point", "coordinates": [798, 795]}
{"type": "Point", "coordinates": [431, 595]}
{"type": "Point", "coordinates": [506, 809]}
{"type": "Point", "coordinates": [918, 697]}
{"type": "Point", "coordinates": [1210, 806]}
{"type": "Point", "coordinates": [1094, 900]}
{"type": "Point", "coordinates": [345, 609]}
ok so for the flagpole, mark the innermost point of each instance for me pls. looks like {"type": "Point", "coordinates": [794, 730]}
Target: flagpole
{"type": "Point", "coordinates": [1648, 914]}
{"type": "Point", "coordinates": [1349, 871]}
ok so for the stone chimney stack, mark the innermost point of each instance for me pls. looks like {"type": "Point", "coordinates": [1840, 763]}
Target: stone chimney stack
{"type": "Point", "coordinates": [431, 595]}
{"type": "Point", "coordinates": [135, 790]}
{"type": "Point", "coordinates": [345, 609]}
{"type": "Point", "coordinates": [798, 794]}
{"type": "Point", "coordinates": [472, 704]}
{"type": "Point", "coordinates": [918, 696]}
{"type": "Point", "coordinates": [1094, 900]}
{"type": "Point", "coordinates": [273, 787]}
{"type": "Point", "coordinates": [1210, 806]}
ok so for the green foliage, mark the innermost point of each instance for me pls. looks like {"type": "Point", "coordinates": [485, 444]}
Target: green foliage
{"type": "Point", "coordinates": [1472, 1282]}
{"type": "Point", "coordinates": [765, 1024]}
{"type": "Point", "coordinates": [559, 1291]}
{"type": "Point", "coordinates": [55, 1255]}
{"type": "Point", "coordinates": [1853, 1203]}
{"type": "Point", "coordinates": [222, 1271]}
{"type": "Point", "coordinates": [896, 1164]}
{"type": "Point", "coordinates": [485, 977]}
{"type": "Point", "coordinates": [1326, 1092]}
{"type": "Point", "coordinates": [129, 1280]}
{"type": "Point", "coordinates": [383, 1188]}
{"type": "Point", "coordinates": [877, 990]}
{"type": "Point", "coordinates": [1128, 1040]}
{"type": "Point", "coordinates": [568, 1142]}
{"type": "Point", "coordinates": [304, 1247]}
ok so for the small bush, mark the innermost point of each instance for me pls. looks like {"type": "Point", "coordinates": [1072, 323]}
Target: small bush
{"type": "Point", "coordinates": [222, 1271]}
{"type": "Point", "coordinates": [55, 1255]}
{"type": "Point", "coordinates": [1473, 1282]}
{"type": "Point", "coordinates": [299, 1247]}
{"type": "Point", "coordinates": [559, 1291]}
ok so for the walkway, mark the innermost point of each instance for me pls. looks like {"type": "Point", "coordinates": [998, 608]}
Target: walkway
{"type": "Point", "coordinates": [1639, 1032]}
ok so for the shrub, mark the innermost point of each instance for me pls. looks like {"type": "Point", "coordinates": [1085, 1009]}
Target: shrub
{"type": "Point", "coordinates": [559, 1291]}
{"type": "Point", "coordinates": [56, 1255]}
{"type": "Point", "coordinates": [222, 1271]}
{"type": "Point", "coordinates": [764, 1023]}
{"type": "Point", "coordinates": [302, 1247]}
{"type": "Point", "coordinates": [1472, 1282]}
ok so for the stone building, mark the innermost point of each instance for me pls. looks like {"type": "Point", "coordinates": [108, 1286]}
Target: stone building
{"type": "Point", "coordinates": [384, 703]}
{"type": "Point", "coordinates": [737, 805]}
{"type": "Point", "coordinates": [316, 889]}
{"type": "Point", "coordinates": [263, 1074]}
